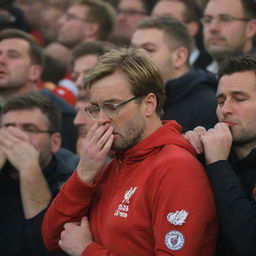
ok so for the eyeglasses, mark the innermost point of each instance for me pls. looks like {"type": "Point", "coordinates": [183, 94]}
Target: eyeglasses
{"type": "Point", "coordinates": [221, 19]}
{"type": "Point", "coordinates": [109, 109]}
{"type": "Point", "coordinates": [130, 12]}
{"type": "Point", "coordinates": [69, 16]}
{"type": "Point", "coordinates": [28, 128]}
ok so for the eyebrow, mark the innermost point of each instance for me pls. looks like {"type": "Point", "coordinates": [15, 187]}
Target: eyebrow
{"type": "Point", "coordinates": [233, 93]}
{"type": "Point", "coordinates": [112, 100]}
{"type": "Point", "coordinates": [12, 50]}
{"type": "Point", "coordinates": [23, 124]}
{"type": "Point", "coordinates": [145, 44]}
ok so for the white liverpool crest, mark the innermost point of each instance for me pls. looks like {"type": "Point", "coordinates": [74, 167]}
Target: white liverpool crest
{"type": "Point", "coordinates": [177, 218]}
{"type": "Point", "coordinates": [128, 194]}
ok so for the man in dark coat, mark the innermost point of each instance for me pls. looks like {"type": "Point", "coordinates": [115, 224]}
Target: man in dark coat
{"type": "Point", "coordinates": [190, 92]}
{"type": "Point", "coordinates": [230, 155]}
{"type": "Point", "coordinates": [32, 170]}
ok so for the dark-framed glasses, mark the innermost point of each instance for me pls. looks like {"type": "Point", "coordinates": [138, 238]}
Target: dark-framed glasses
{"type": "Point", "coordinates": [110, 109]}
{"type": "Point", "coordinates": [222, 19]}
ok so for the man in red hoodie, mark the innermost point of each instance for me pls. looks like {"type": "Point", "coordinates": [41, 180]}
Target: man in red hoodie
{"type": "Point", "coordinates": [154, 197]}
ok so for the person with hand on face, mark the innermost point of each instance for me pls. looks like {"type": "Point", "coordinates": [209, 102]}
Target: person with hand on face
{"type": "Point", "coordinates": [154, 196]}
{"type": "Point", "coordinates": [84, 58]}
{"type": "Point", "coordinates": [31, 172]}
{"type": "Point", "coordinates": [230, 155]}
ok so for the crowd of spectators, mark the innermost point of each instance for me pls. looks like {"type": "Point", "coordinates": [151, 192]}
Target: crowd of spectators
{"type": "Point", "coordinates": [48, 47]}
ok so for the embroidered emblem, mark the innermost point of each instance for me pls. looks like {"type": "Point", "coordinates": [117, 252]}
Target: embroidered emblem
{"type": "Point", "coordinates": [174, 240]}
{"type": "Point", "coordinates": [177, 218]}
{"type": "Point", "coordinates": [123, 208]}
{"type": "Point", "coordinates": [128, 195]}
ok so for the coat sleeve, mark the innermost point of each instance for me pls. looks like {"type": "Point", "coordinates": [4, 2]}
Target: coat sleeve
{"type": "Point", "coordinates": [70, 205]}
{"type": "Point", "coordinates": [183, 210]}
{"type": "Point", "coordinates": [236, 212]}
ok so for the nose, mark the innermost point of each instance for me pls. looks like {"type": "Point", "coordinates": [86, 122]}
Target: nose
{"type": "Point", "coordinates": [103, 118]}
{"type": "Point", "coordinates": [120, 17]}
{"type": "Point", "coordinates": [214, 25]}
{"type": "Point", "coordinates": [226, 108]}
{"type": "Point", "coordinates": [79, 118]}
{"type": "Point", "coordinates": [2, 58]}
{"type": "Point", "coordinates": [61, 21]}
{"type": "Point", "coordinates": [79, 81]}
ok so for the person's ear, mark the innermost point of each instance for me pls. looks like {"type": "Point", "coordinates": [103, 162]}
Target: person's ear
{"type": "Point", "coordinates": [193, 28]}
{"type": "Point", "coordinates": [149, 104]}
{"type": "Point", "coordinates": [251, 28]}
{"type": "Point", "coordinates": [55, 142]}
{"type": "Point", "coordinates": [91, 30]}
{"type": "Point", "coordinates": [35, 73]}
{"type": "Point", "coordinates": [180, 57]}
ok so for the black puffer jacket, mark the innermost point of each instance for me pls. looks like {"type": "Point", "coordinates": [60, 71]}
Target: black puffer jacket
{"type": "Point", "coordinates": [191, 100]}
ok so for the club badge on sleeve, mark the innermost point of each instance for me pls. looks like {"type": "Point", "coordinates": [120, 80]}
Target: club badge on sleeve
{"type": "Point", "coordinates": [177, 218]}
{"type": "Point", "coordinates": [174, 240]}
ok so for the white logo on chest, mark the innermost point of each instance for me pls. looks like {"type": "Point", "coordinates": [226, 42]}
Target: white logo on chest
{"type": "Point", "coordinates": [123, 208]}
{"type": "Point", "coordinates": [128, 194]}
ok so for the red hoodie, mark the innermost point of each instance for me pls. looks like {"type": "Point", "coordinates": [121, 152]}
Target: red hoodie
{"type": "Point", "coordinates": [154, 199]}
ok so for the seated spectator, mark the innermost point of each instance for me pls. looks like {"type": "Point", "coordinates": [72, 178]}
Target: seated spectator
{"type": "Point", "coordinates": [129, 13]}
{"type": "Point", "coordinates": [33, 12]}
{"type": "Point", "coordinates": [229, 27]}
{"type": "Point", "coordinates": [32, 170]}
{"type": "Point", "coordinates": [189, 13]}
{"type": "Point", "coordinates": [86, 20]}
{"type": "Point", "coordinates": [188, 90]}
{"type": "Point", "coordinates": [84, 58]}
{"type": "Point", "coordinates": [49, 26]}
{"type": "Point", "coordinates": [21, 64]}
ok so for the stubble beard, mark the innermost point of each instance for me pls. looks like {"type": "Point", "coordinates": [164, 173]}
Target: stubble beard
{"type": "Point", "coordinates": [244, 138]}
{"type": "Point", "coordinates": [9, 85]}
{"type": "Point", "coordinates": [220, 55]}
{"type": "Point", "coordinates": [132, 135]}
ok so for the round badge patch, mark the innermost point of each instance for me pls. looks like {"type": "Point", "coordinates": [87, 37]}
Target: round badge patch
{"type": "Point", "coordinates": [174, 240]}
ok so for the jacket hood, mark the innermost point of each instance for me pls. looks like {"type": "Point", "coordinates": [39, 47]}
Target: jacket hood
{"type": "Point", "coordinates": [193, 81]}
{"type": "Point", "coordinates": [168, 134]}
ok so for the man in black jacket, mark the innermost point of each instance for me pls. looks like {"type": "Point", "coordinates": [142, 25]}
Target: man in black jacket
{"type": "Point", "coordinates": [190, 92]}
{"type": "Point", "coordinates": [32, 170]}
{"type": "Point", "coordinates": [230, 153]}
